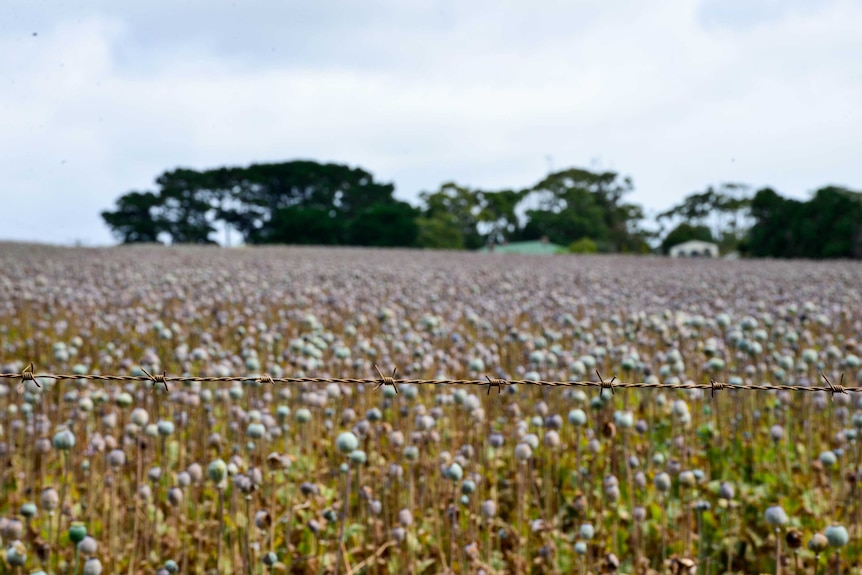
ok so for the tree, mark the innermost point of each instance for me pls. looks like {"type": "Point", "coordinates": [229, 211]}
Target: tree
{"type": "Point", "coordinates": [133, 220]}
{"type": "Point", "coordinates": [832, 224]}
{"type": "Point", "coordinates": [829, 225]}
{"type": "Point", "coordinates": [187, 206]}
{"type": "Point", "coordinates": [685, 232]}
{"type": "Point", "coordinates": [439, 232]}
{"type": "Point", "coordinates": [261, 189]}
{"type": "Point", "coordinates": [458, 207]}
{"type": "Point", "coordinates": [772, 233]}
{"type": "Point", "coordinates": [497, 211]}
{"type": "Point", "coordinates": [718, 209]}
{"type": "Point", "coordinates": [290, 202]}
{"type": "Point", "coordinates": [385, 225]}
{"type": "Point", "coordinates": [311, 225]}
{"type": "Point", "coordinates": [576, 203]}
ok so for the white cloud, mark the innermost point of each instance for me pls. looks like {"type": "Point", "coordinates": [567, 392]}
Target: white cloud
{"type": "Point", "coordinates": [677, 95]}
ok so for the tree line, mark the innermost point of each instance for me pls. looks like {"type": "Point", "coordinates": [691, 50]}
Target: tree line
{"type": "Point", "coordinates": [307, 202]}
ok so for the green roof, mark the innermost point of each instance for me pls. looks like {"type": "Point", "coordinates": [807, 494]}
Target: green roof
{"type": "Point", "coordinates": [536, 247]}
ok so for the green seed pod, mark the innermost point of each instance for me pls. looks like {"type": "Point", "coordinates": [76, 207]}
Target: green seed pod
{"type": "Point", "coordinates": [77, 532]}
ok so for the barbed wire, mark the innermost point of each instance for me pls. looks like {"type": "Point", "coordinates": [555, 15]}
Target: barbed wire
{"type": "Point", "coordinates": [28, 374]}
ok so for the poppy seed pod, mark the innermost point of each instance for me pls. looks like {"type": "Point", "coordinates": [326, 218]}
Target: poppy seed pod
{"type": "Point", "coordinates": [552, 439]}
{"type": "Point", "coordinates": [262, 520]}
{"type": "Point", "coordinates": [523, 452]}
{"type": "Point", "coordinates": [624, 419]}
{"type": "Point", "coordinates": [454, 472]}
{"type": "Point", "coordinates": [92, 567]}
{"type": "Point", "coordinates": [818, 543]}
{"type": "Point", "coordinates": [495, 440]}
{"type": "Point", "coordinates": [256, 430]}
{"type": "Point", "coordinates": [396, 439]}
{"type": "Point", "coordinates": [303, 415]}
{"type": "Point", "coordinates": [793, 538]}
{"type": "Point", "coordinates": [662, 482]}
{"type": "Point", "coordinates": [165, 428]}
{"type": "Point", "coordinates": [184, 479]}
{"type": "Point", "coordinates": [64, 440]}
{"type": "Point", "coordinates": [88, 546]}
{"type": "Point", "coordinates": [488, 509]}
{"type": "Point", "coordinates": [154, 473]}
{"type": "Point", "coordinates": [776, 516]}
{"type": "Point", "coordinates": [347, 442]}
{"type": "Point", "coordinates": [16, 554]}
{"type": "Point", "coordinates": [77, 532]}
{"type": "Point", "coordinates": [28, 510]}
{"type": "Point", "coordinates": [726, 491]}
{"type": "Point", "coordinates": [411, 453]}
{"type": "Point", "coordinates": [581, 548]}
{"type": "Point", "coordinates": [50, 499]}
{"type": "Point", "coordinates": [217, 471]}
{"type": "Point", "coordinates": [12, 529]}
{"type": "Point", "coordinates": [405, 518]}
{"type": "Point", "coordinates": [140, 417]}
{"type": "Point", "coordinates": [175, 496]}
{"type": "Point", "coordinates": [837, 536]}
{"type": "Point", "coordinates": [116, 458]}
{"type": "Point", "coordinates": [195, 472]}
{"type": "Point", "coordinates": [577, 417]}
{"type": "Point", "coordinates": [687, 479]}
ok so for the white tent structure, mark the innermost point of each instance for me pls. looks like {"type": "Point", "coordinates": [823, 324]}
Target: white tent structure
{"type": "Point", "coordinates": [694, 249]}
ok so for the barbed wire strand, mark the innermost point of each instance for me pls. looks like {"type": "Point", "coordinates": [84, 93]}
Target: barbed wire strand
{"type": "Point", "coordinates": [28, 374]}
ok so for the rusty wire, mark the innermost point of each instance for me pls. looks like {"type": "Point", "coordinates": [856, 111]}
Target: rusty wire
{"type": "Point", "coordinates": [28, 374]}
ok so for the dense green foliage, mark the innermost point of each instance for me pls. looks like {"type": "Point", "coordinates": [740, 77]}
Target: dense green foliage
{"type": "Point", "coordinates": [829, 225]}
{"type": "Point", "coordinates": [306, 202]}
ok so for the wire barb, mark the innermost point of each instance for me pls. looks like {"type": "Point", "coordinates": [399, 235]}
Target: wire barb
{"type": "Point", "coordinates": [265, 378]}
{"type": "Point", "coordinates": [606, 384]}
{"type": "Point", "coordinates": [496, 382]}
{"type": "Point", "coordinates": [27, 375]}
{"type": "Point", "coordinates": [385, 380]}
{"type": "Point", "coordinates": [713, 385]}
{"type": "Point", "coordinates": [157, 378]}
{"type": "Point", "coordinates": [833, 389]}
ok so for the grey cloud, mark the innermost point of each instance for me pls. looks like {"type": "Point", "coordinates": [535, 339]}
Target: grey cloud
{"type": "Point", "coordinates": [674, 94]}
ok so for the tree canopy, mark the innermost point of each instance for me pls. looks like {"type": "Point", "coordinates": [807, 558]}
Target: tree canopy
{"type": "Point", "coordinates": [301, 202]}
{"type": "Point", "coordinates": [829, 225]}
{"type": "Point", "coordinates": [307, 202]}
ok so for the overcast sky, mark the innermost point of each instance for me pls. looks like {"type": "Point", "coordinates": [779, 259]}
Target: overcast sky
{"type": "Point", "coordinates": [100, 97]}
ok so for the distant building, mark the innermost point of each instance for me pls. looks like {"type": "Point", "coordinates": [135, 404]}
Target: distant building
{"type": "Point", "coordinates": [539, 247]}
{"type": "Point", "coordinates": [694, 249]}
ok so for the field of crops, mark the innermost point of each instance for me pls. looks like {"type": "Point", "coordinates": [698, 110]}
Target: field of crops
{"type": "Point", "coordinates": [254, 477]}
